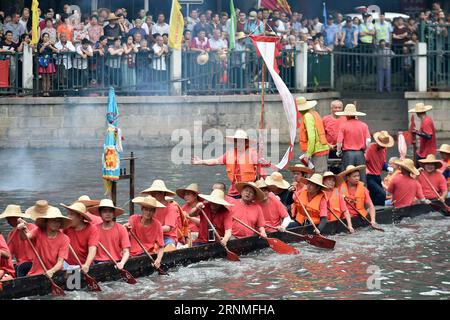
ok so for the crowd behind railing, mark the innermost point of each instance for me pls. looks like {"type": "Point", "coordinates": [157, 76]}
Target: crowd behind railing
{"type": "Point", "coordinates": [78, 53]}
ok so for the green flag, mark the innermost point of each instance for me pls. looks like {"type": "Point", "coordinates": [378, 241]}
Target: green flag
{"type": "Point", "coordinates": [233, 24]}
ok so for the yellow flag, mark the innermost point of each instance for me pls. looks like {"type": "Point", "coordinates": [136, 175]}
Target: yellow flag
{"type": "Point", "coordinates": [35, 22]}
{"type": "Point", "coordinates": [176, 26]}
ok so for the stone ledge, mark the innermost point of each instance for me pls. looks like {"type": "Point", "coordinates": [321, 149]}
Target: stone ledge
{"type": "Point", "coordinates": [428, 95]}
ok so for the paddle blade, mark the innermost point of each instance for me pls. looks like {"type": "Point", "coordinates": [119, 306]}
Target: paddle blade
{"type": "Point", "coordinates": [232, 256]}
{"type": "Point", "coordinates": [440, 207]}
{"type": "Point", "coordinates": [162, 272]}
{"type": "Point", "coordinates": [320, 242]}
{"type": "Point", "coordinates": [127, 277]}
{"type": "Point", "coordinates": [92, 283]}
{"type": "Point", "coordinates": [281, 247]}
{"type": "Point", "coordinates": [57, 291]}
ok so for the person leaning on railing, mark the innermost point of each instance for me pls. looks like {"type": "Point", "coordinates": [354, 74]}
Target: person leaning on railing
{"type": "Point", "coordinates": [112, 67]}
{"type": "Point", "coordinates": [64, 62]}
{"type": "Point", "coordinates": [46, 64]}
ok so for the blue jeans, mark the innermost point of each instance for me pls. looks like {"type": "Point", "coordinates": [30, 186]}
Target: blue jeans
{"type": "Point", "coordinates": [377, 193]}
{"type": "Point", "coordinates": [169, 240]}
{"type": "Point", "coordinates": [23, 269]}
{"type": "Point", "coordinates": [384, 78]}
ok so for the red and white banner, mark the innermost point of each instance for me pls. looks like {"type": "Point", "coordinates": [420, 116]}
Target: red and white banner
{"type": "Point", "coordinates": [266, 48]}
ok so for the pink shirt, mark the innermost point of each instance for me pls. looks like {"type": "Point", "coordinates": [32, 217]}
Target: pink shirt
{"type": "Point", "coordinates": [151, 236]}
{"type": "Point", "coordinates": [353, 135]}
{"type": "Point", "coordinates": [375, 159]}
{"type": "Point", "coordinates": [81, 240]}
{"type": "Point", "coordinates": [427, 146]}
{"type": "Point", "coordinates": [251, 215]}
{"type": "Point", "coordinates": [114, 240]}
{"type": "Point", "coordinates": [274, 211]}
{"type": "Point", "coordinates": [192, 226]}
{"type": "Point", "coordinates": [222, 221]}
{"type": "Point", "coordinates": [6, 264]}
{"type": "Point", "coordinates": [404, 190]}
{"type": "Point", "coordinates": [168, 217]}
{"type": "Point", "coordinates": [437, 180]}
{"type": "Point", "coordinates": [20, 249]}
{"type": "Point", "coordinates": [332, 126]}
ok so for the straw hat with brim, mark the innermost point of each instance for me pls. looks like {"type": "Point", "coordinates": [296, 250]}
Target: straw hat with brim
{"type": "Point", "coordinates": [350, 110]}
{"type": "Point", "coordinates": [383, 139]}
{"type": "Point", "coordinates": [148, 202]}
{"type": "Point", "coordinates": [87, 201]}
{"type": "Point", "coordinates": [350, 169]}
{"type": "Point", "coordinates": [79, 208]}
{"type": "Point", "coordinates": [408, 164]}
{"type": "Point", "coordinates": [338, 179]}
{"type": "Point", "coordinates": [40, 209]}
{"type": "Point", "coordinates": [431, 159]}
{"type": "Point", "coordinates": [52, 214]}
{"type": "Point", "coordinates": [259, 194]}
{"type": "Point", "coordinates": [303, 104]}
{"type": "Point", "coordinates": [13, 211]}
{"type": "Point", "coordinates": [445, 148]}
{"type": "Point", "coordinates": [239, 135]}
{"type": "Point", "coordinates": [420, 108]}
{"type": "Point", "coordinates": [217, 196]}
{"type": "Point", "coordinates": [112, 16]}
{"type": "Point", "coordinates": [240, 35]}
{"type": "Point", "coordinates": [316, 179]}
{"type": "Point", "coordinates": [106, 203]}
{"type": "Point", "coordinates": [203, 58]}
{"type": "Point", "coordinates": [261, 184]}
{"type": "Point", "coordinates": [158, 186]}
{"type": "Point", "coordinates": [301, 168]}
{"type": "Point", "coordinates": [276, 179]}
{"type": "Point", "coordinates": [193, 187]}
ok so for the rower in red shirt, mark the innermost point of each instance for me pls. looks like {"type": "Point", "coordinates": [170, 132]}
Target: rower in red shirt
{"type": "Point", "coordinates": [353, 139]}
{"type": "Point", "coordinates": [223, 187]}
{"type": "Point", "coordinates": [354, 192]}
{"type": "Point", "coordinates": [431, 180]}
{"type": "Point", "coordinates": [376, 156]}
{"type": "Point", "coordinates": [190, 195]}
{"type": "Point", "coordinates": [51, 243]}
{"type": "Point", "coordinates": [404, 187]}
{"type": "Point", "coordinates": [217, 210]}
{"type": "Point", "coordinates": [147, 229]}
{"type": "Point", "coordinates": [86, 200]}
{"type": "Point", "coordinates": [19, 248]}
{"type": "Point", "coordinates": [314, 200]}
{"type": "Point", "coordinates": [167, 216]}
{"type": "Point", "coordinates": [83, 236]}
{"type": "Point", "coordinates": [248, 210]}
{"type": "Point", "coordinates": [7, 271]}
{"type": "Point", "coordinates": [335, 199]}
{"type": "Point", "coordinates": [275, 213]}
{"type": "Point", "coordinates": [427, 131]}
{"type": "Point", "coordinates": [112, 235]}
{"type": "Point", "coordinates": [332, 124]}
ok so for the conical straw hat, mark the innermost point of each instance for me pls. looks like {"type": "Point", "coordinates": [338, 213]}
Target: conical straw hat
{"type": "Point", "coordinates": [408, 164]}
{"type": "Point", "coordinates": [350, 169]}
{"type": "Point", "coordinates": [276, 179]}
{"type": "Point", "coordinates": [41, 208]}
{"type": "Point", "coordinates": [383, 139]}
{"type": "Point", "coordinates": [316, 179]}
{"type": "Point", "coordinates": [261, 183]}
{"type": "Point", "coordinates": [445, 148]}
{"type": "Point", "coordinates": [303, 104]}
{"type": "Point", "coordinates": [259, 194]}
{"type": "Point", "coordinates": [52, 213]}
{"type": "Point", "coordinates": [431, 159]}
{"type": "Point", "coordinates": [13, 211]}
{"type": "Point", "coordinates": [420, 108]}
{"type": "Point", "coordinates": [337, 178]}
{"type": "Point", "coordinates": [158, 185]}
{"type": "Point", "coordinates": [217, 196]}
{"type": "Point", "coordinates": [193, 187]}
{"type": "Point", "coordinates": [350, 110]}
{"type": "Point", "coordinates": [79, 208]}
{"type": "Point", "coordinates": [106, 203]}
{"type": "Point", "coordinates": [300, 168]}
{"type": "Point", "coordinates": [239, 134]}
{"type": "Point", "coordinates": [148, 202]}
{"type": "Point", "coordinates": [86, 200]}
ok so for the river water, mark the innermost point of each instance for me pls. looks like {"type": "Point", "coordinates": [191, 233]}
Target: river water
{"type": "Point", "coordinates": [411, 260]}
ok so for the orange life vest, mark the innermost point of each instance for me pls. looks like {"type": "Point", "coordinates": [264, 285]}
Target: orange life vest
{"type": "Point", "coordinates": [359, 197]}
{"type": "Point", "coordinates": [334, 204]}
{"type": "Point", "coordinates": [320, 130]}
{"type": "Point", "coordinates": [313, 207]}
{"type": "Point", "coordinates": [247, 170]}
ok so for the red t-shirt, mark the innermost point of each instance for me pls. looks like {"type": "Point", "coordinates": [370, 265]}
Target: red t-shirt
{"type": "Point", "coordinates": [150, 235]}
{"type": "Point", "coordinates": [375, 159]}
{"type": "Point", "coordinates": [6, 264]}
{"type": "Point", "coordinates": [273, 210]}
{"type": "Point", "coordinates": [20, 249]}
{"type": "Point", "coordinates": [222, 221]}
{"type": "Point", "coordinates": [437, 181]}
{"type": "Point", "coordinates": [81, 240]}
{"type": "Point", "coordinates": [367, 200]}
{"type": "Point", "coordinates": [427, 146]}
{"type": "Point", "coordinates": [353, 135]}
{"type": "Point", "coordinates": [168, 217]}
{"type": "Point", "coordinates": [251, 214]}
{"type": "Point", "coordinates": [332, 126]}
{"type": "Point", "coordinates": [50, 250]}
{"type": "Point", "coordinates": [404, 190]}
{"type": "Point", "coordinates": [115, 240]}
{"type": "Point", "coordinates": [192, 226]}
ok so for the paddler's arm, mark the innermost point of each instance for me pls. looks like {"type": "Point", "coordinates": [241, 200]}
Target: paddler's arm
{"type": "Point", "coordinates": [125, 256]}
{"type": "Point", "coordinates": [226, 237]}
{"type": "Point", "coordinates": [92, 251]}
{"type": "Point", "coordinates": [262, 230]}
{"type": "Point", "coordinates": [348, 218]}
{"type": "Point", "coordinates": [23, 226]}
{"type": "Point", "coordinates": [58, 266]}
{"type": "Point", "coordinates": [284, 224]}
{"type": "Point", "coordinates": [166, 229]}
{"type": "Point", "coordinates": [196, 211]}
{"type": "Point", "coordinates": [159, 257]}
{"type": "Point", "coordinates": [207, 162]}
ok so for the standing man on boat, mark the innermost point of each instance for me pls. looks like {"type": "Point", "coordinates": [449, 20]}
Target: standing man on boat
{"type": "Point", "coordinates": [353, 139]}
{"type": "Point", "coordinates": [404, 187]}
{"type": "Point", "coordinates": [20, 248]}
{"type": "Point", "coordinates": [376, 156]}
{"type": "Point", "coordinates": [248, 210]}
{"type": "Point", "coordinates": [356, 194]}
{"type": "Point", "coordinates": [241, 162]}
{"type": "Point", "coordinates": [147, 229]}
{"type": "Point", "coordinates": [426, 132]}
{"type": "Point", "coordinates": [332, 124]}
{"type": "Point", "coordinates": [431, 180]}
{"type": "Point", "coordinates": [313, 141]}
{"type": "Point", "coordinates": [168, 215]}
{"type": "Point", "coordinates": [112, 235]}
{"type": "Point", "coordinates": [83, 236]}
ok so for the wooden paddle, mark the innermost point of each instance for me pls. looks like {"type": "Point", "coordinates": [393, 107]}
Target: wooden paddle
{"type": "Point", "coordinates": [56, 290]}
{"type": "Point", "coordinates": [124, 273]}
{"type": "Point", "coordinates": [446, 207]}
{"type": "Point", "coordinates": [339, 219]}
{"type": "Point", "coordinates": [312, 239]}
{"type": "Point", "coordinates": [160, 271]}
{"type": "Point", "coordinates": [275, 244]}
{"type": "Point", "coordinates": [2, 273]}
{"type": "Point", "coordinates": [364, 217]}
{"type": "Point", "coordinates": [230, 255]}
{"type": "Point", "coordinates": [91, 282]}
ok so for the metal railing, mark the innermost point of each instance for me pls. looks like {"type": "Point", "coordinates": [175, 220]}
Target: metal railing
{"type": "Point", "coordinates": [11, 73]}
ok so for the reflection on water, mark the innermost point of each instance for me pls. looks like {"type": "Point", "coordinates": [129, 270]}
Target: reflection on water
{"type": "Point", "coordinates": [413, 257]}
